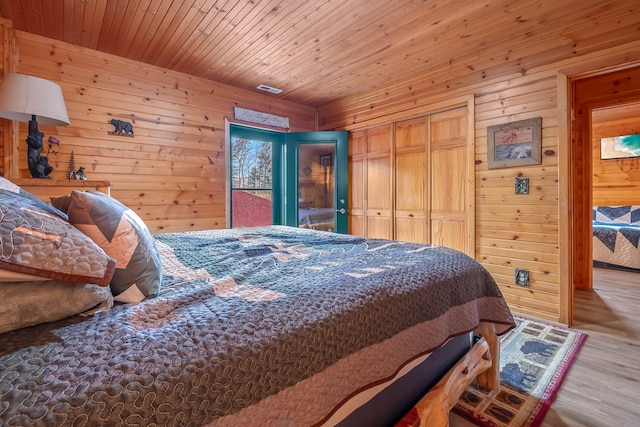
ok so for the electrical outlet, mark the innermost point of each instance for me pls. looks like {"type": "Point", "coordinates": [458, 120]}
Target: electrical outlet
{"type": "Point", "coordinates": [522, 277]}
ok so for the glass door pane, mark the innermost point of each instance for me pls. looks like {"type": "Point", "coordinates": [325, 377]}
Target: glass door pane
{"type": "Point", "coordinates": [251, 182]}
{"type": "Point", "coordinates": [317, 180]}
{"type": "Point", "coordinates": [251, 208]}
{"type": "Point", "coordinates": [316, 186]}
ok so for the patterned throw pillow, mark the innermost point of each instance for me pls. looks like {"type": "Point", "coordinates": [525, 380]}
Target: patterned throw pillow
{"type": "Point", "coordinates": [61, 202]}
{"type": "Point", "coordinates": [122, 234]}
{"type": "Point", "coordinates": [36, 242]}
{"type": "Point", "coordinates": [5, 184]}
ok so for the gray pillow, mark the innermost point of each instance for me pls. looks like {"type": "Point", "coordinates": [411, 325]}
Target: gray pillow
{"type": "Point", "coordinates": [25, 304]}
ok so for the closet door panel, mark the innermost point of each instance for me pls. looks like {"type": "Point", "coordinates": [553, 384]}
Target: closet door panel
{"type": "Point", "coordinates": [411, 187]}
{"type": "Point", "coordinates": [357, 183]}
{"type": "Point", "coordinates": [450, 232]}
{"type": "Point", "coordinates": [411, 229]}
{"type": "Point", "coordinates": [379, 183]}
{"type": "Point", "coordinates": [449, 181]}
{"type": "Point", "coordinates": [379, 140]}
{"type": "Point", "coordinates": [356, 197]}
{"type": "Point", "coordinates": [378, 211]}
{"type": "Point", "coordinates": [379, 227]}
{"type": "Point", "coordinates": [410, 182]}
{"type": "Point", "coordinates": [410, 213]}
{"type": "Point", "coordinates": [449, 170]}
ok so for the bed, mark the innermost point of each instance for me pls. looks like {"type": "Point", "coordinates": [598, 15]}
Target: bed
{"type": "Point", "coordinates": [259, 326]}
{"type": "Point", "coordinates": [316, 218]}
{"type": "Point", "coordinates": [616, 234]}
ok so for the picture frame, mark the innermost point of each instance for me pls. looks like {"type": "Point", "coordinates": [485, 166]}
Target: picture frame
{"type": "Point", "coordinates": [326, 160]}
{"type": "Point", "coordinates": [620, 147]}
{"type": "Point", "coordinates": [516, 143]}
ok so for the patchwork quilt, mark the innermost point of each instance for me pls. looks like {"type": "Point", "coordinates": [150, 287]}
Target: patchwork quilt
{"type": "Point", "coordinates": [258, 326]}
{"type": "Point", "coordinates": [616, 235]}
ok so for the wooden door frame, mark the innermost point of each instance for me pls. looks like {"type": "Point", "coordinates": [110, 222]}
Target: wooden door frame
{"type": "Point", "coordinates": [575, 176]}
{"type": "Point", "coordinates": [575, 185]}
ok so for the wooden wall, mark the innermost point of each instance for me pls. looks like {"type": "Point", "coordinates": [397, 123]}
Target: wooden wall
{"type": "Point", "coordinates": [4, 125]}
{"type": "Point", "coordinates": [8, 129]}
{"type": "Point", "coordinates": [513, 231]}
{"type": "Point", "coordinates": [172, 172]}
{"type": "Point", "coordinates": [615, 181]}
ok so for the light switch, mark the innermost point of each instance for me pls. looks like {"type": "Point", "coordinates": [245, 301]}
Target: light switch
{"type": "Point", "coordinates": [522, 185]}
{"type": "Point", "coordinates": [522, 277]}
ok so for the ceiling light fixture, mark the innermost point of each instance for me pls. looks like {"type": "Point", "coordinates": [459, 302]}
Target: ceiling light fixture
{"type": "Point", "coordinates": [269, 89]}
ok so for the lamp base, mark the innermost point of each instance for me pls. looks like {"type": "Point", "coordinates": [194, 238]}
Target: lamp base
{"type": "Point", "coordinates": [38, 164]}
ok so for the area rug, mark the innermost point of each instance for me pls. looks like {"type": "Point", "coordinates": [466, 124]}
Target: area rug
{"type": "Point", "coordinates": [534, 360]}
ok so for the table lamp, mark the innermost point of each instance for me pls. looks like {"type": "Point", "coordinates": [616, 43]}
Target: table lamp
{"type": "Point", "coordinates": [31, 99]}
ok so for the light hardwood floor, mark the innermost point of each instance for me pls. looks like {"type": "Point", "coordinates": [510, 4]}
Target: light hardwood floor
{"type": "Point", "coordinates": [602, 388]}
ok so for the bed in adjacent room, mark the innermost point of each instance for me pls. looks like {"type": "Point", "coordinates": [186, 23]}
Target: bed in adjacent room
{"type": "Point", "coordinates": [616, 236]}
{"type": "Point", "coordinates": [316, 218]}
{"type": "Point", "coordinates": [259, 326]}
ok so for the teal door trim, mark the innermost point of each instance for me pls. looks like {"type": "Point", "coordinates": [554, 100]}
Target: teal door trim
{"type": "Point", "coordinates": [341, 170]}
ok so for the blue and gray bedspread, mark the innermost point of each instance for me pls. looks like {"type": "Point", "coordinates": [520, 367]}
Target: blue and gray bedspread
{"type": "Point", "coordinates": [258, 326]}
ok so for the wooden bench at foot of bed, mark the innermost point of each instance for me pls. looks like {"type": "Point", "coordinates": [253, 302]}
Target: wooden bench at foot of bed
{"type": "Point", "coordinates": [481, 362]}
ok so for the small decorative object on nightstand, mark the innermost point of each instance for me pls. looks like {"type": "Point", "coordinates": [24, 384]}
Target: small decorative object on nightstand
{"type": "Point", "coordinates": [78, 174]}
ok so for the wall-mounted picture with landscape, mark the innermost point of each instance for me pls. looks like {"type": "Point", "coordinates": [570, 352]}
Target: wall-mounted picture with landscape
{"type": "Point", "coordinates": [620, 147]}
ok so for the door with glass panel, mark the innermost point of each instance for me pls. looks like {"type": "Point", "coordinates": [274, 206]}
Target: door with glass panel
{"type": "Point", "coordinates": [297, 179]}
{"type": "Point", "coordinates": [316, 180]}
{"type": "Point", "coordinates": [255, 181]}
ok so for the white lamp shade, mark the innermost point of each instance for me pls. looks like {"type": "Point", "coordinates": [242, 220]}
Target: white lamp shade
{"type": "Point", "coordinates": [22, 96]}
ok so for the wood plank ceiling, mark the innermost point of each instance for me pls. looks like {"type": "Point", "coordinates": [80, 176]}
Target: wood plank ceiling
{"type": "Point", "coordinates": [315, 50]}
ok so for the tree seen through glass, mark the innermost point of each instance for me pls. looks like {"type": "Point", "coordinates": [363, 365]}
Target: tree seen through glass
{"type": "Point", "coordinates": [251, 163]}
{"type": "Point", "coordinates": [251, 169]}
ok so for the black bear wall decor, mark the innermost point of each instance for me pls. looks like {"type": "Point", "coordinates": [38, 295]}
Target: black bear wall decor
{"type": "Point", "coordinates": [121, 127]}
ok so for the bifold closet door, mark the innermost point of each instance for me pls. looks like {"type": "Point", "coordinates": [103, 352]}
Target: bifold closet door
{"type": "Point", "coordinates": [357, 143]}
{"type": "Point", "coordinates": [379, 178]}
{"type": "Point", "coordinates": [411, 181]}
{"type": "Point", "coordinates": [449, 169]}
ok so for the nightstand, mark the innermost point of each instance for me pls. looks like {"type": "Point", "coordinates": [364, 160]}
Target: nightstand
{"type": "Point", "coordinates": [46, 188]}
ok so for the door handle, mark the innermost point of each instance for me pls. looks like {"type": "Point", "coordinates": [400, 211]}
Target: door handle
{"type": "Point", "coordinates": [342, 211]}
